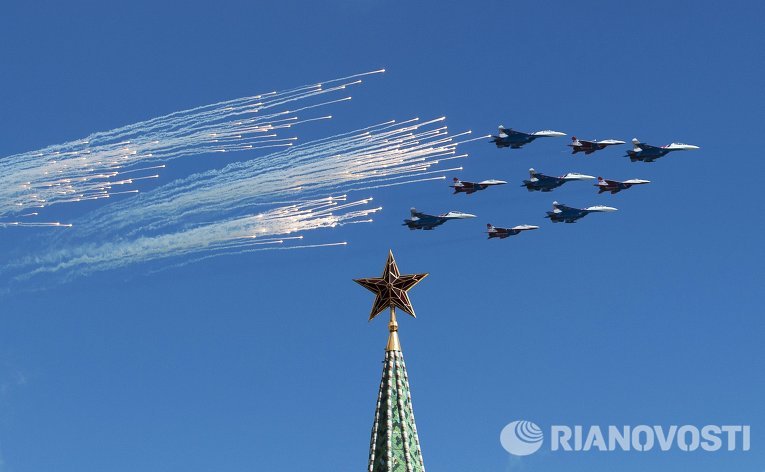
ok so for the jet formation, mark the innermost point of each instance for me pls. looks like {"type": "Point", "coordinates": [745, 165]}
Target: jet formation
{"type": "Point", "coordinates": [539, 182]}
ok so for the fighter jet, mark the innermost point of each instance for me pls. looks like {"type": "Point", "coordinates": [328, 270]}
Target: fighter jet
{"type": "Point", "coordinates": [567, 214]}
{"type": "Point", "coordinates": [647, 153]}
{"type": "Point", "coordinates": [503, 233]}
{"type": "Point", "coordinates": [461, 186]}
{"type": "Point", "coordinates": [614, 186]}
{"type": "Point", "coordinates": [424, 221]}
{"type": "Point", "coordinates": [516, 139]}
{"type": "Point", "coordinates": [545, 183]}
{"type": "Point", "coordinates": [588, 147]}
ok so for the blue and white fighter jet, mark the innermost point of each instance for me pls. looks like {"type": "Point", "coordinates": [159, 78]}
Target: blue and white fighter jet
{"type": "Point", "coordinates": [463, 186]}
{"type": "Point", "coordinates": [546, 183]}
{"type": "Point", "coordinates": [647, 153]}
{"type": "Point", "coordinates": [503, 233]}
{"type": "Point", "coordinates": [516, 139]}
{"type": "Point", "coordinates": [420, 220]}
{"type": "Point", "coordinates": [566, 214]}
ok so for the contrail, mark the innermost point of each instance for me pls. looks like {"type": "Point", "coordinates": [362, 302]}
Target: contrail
{"type": "Point", "coordinates": [210, 213]}
{"type": "Point", "coordinates": [90, 168]}
{"type": "Point", "coordinates": [10, 224]}
{"type": "Point", "coordinates": [232, 235]}
{"type": "Point", "coordinates": [374, 154]}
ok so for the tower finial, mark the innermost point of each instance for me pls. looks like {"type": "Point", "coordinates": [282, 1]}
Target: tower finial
{"type": "Point", "coordinates": [391, 292]}
{"type": "Point", "coordinates": [393, 342]}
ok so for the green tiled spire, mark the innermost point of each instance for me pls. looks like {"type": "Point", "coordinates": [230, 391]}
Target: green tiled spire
{"type": "Point", "coordinates": [395, 446]}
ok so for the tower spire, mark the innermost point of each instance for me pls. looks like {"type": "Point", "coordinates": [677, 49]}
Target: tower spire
{"type": "Point", "coordinates": [395, 445]}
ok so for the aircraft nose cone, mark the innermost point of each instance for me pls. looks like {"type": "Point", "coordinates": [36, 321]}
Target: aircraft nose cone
{"type": "Point", "coordinates": [577, 176]}
{"type": "Point", "coordinates": [682, 146]}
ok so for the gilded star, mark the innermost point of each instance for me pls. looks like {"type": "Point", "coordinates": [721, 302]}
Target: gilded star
{"type": "Point", "coordinates": [391, 289]}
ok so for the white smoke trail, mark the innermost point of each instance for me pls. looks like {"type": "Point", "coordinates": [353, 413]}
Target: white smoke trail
{"type": "Point", "coordinates": [11, 224]}
{"type": "Point", "coordinates": [90, 168]}
{"type": "Point", "coordinates": [375, 154]}
{"type": "Point", "coordinates": [224, 237]}
{"type": "Point", "coordinates": [209, 214]}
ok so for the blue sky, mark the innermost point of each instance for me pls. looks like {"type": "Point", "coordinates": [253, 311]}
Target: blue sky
{"type": "Point", "coordinates": [650, 315]}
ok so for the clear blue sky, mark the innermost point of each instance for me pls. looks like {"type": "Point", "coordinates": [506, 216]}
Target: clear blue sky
{"type": "Point", "coordinates": [266, 362]}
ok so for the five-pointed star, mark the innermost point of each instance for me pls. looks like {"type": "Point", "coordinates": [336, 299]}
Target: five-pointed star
{"type": "Point", "coordinates": [391, 288]}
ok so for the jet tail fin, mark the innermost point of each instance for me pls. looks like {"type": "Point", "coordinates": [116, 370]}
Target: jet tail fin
{"type": "Point", "coordinates": [456, 185]}
{"type": "Point", "coordinates": [491, 231]}
{"type": "Point", "coordinates": [601, 185]}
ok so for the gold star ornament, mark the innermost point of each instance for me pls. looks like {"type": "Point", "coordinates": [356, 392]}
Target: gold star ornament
{"type": "Point", "coordinates": [391, 288]}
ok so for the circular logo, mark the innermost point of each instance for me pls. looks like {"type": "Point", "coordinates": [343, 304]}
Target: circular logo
{"type": "Point", "coordinates": [521, 438]}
